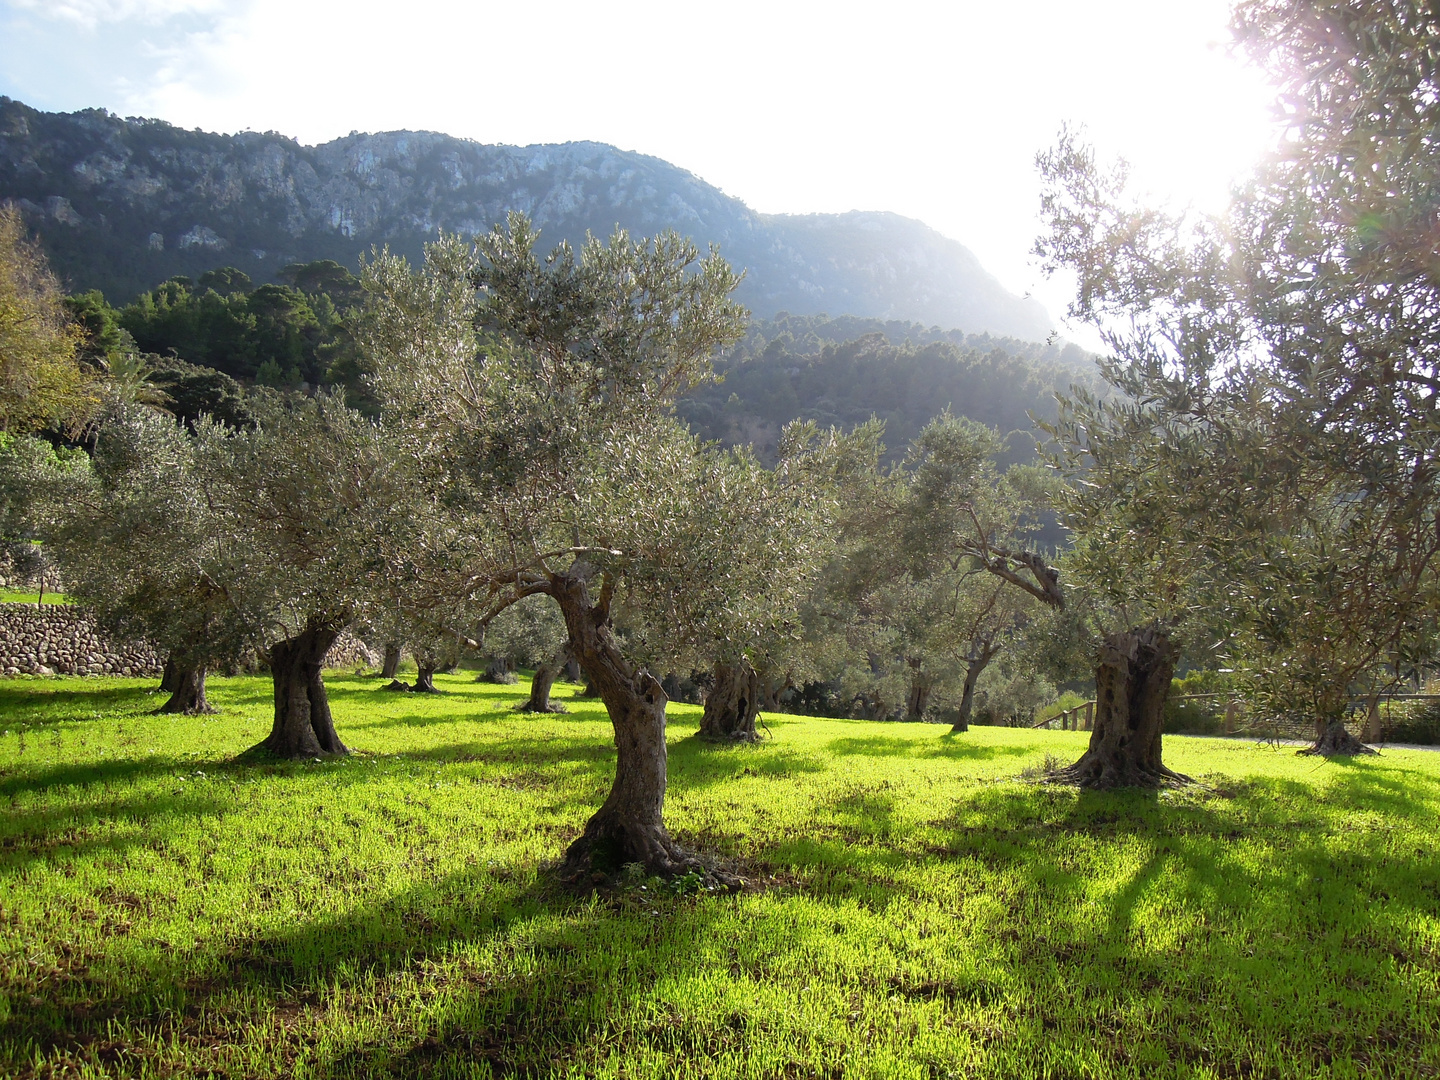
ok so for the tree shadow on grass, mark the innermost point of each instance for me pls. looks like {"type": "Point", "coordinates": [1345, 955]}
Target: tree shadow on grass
{"type": "Point", "coordinates": [492, 968]}
{"type": "Point", "coordinates": [890, 746]}
{"type": "Point", "coordinates": [34, 703]}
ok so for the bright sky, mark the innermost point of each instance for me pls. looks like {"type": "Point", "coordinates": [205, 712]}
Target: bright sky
{"type": "Point", "coordinates": [932, 110]}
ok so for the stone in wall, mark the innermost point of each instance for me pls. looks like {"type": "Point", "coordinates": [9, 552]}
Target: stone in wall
{"type": "Point", "coordinates": [63, 640]}
{"type": "Point", "coordinates": [350, 652]}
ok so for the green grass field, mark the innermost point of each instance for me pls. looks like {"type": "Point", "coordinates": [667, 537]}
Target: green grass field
{"type": "Point", "coordinates": [32, 596]}
{"type": "Point", "coordinates": [914, 909]}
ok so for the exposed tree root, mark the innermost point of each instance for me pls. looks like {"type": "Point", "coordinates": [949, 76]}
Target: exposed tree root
{"type": "Point", "coordinates": [609, 844]}
{"type": "Point", "coordinates": [397, 686]}
{"type": "Point", "coordinates": [1336, 742]}
{"type": "Point", "coordinates": [550, 707]}
{"type": "Point", "coordinates": [1095, 772]}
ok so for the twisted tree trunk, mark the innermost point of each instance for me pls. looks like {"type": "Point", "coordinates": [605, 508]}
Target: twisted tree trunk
{"type": "Point", "coordinates": [978, 660]}
{"type": "Point", "coordinates": [392, 661]}
{"type": "Point", "coordinates": [629, 827]}
{"type": "Point", "coordinates": [1332, 739]}
{"type": "Point", "coordinates": [303, 726]}
{"type": "Point", "coordinates": [733, 704]}
{"type": "Point", "coordinates": [187, 688]}
{"type": "Point", "coordinates": [572, 669]}
{"type": "Point", "coordinates": [921, 685]}
{"type": "Point", "coordinates": [544, 679]}
{"type": "Point", "coordinates": [167, 677]}
{"type": "Point", "coordinates": [1132, 683]}
{"type": "Point", "coordinates": [425, 668]}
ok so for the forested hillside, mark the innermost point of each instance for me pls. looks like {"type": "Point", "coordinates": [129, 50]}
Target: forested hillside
{"type": "Point", "coordinates": [123, 204]}
{"type": "Point", "coordinates": [843, 371]}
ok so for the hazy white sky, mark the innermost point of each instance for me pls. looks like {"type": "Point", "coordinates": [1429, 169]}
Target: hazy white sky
{"type": "Point", "coordinates": [934, 110]}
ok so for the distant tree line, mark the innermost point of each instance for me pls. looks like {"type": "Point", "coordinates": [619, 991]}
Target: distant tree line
{"type": "Point", "coordinates": [845, 371]}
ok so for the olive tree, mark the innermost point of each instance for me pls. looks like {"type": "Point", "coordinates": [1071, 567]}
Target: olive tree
{"type": "Point", "coordinates": [535, 396]}
{"type": "Point", "coordinates": [313, 497]}
{"type": "Point", "coordinates": [934, 552]}
{"type": "Point", "coordinates": [142, 539]}
{"type": "Point", "coordinates": [1271, 441]}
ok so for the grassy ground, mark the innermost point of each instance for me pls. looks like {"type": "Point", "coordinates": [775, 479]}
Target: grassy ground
{"type": "Point", "coordinates": [914, 909]}
{"type": "Point", "coordinates": [32, 596]}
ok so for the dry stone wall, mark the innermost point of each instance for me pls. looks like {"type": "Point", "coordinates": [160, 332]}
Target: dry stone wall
{"type": "Point", "coordinates": [62, 640]}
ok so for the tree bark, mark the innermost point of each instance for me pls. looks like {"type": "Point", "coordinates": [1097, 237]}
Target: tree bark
{"type": "Point", "coordinates": [572, 669]}
{"type": "Point", "coordinates": [1132, 683]}
{"type": "Point", "coordinates": [976, 664]}
{"type": "Point", "coordinates": [917, 700]}
{"type": "Point", "coordinates": [392, 661]}
{"type": "Point", "coordinates": [733, 704]}
{"type": "Point", "coordinates": [168, 676]}
{"type": "Point", "coordinates": [967, 700]}
{"type": "Point", "coordinates": [770, 691]}
{"type": "Point", "coordinates": [497, 670]}
{"type": "Point", "coordinates": [629, 827]}
{"type": "Point", "coordinates": [425, 669]}
{"type": "Point", "coordinates": [187, 689]}
{"type": "Point", "coordinates": [1333, 740]}
{"type": "Point", "coordinates": [540, 685]}
{"type": "Point", "coordinates": [1374, 725]}
{"type": "Point", "coordinates": [303, 726]}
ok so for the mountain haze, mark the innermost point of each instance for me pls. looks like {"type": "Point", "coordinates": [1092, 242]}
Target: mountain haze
{"type": "Point", "coordinates": [122, 204]}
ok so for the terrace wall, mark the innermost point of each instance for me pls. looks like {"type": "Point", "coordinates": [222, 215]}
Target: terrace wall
{"type": "Point", "coordinates": [62, 640]}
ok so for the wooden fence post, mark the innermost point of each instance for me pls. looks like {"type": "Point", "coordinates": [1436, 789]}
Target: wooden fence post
{"type": "Point", "coordinates": [1232, 712]}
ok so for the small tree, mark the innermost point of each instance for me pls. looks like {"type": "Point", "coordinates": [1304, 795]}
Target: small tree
{"type": "Point", "coordinates": [41, 384]}
{"type": "Point", "coordinates": [139, 541]}
{"type": "Point", "coordinates": [934, 553]}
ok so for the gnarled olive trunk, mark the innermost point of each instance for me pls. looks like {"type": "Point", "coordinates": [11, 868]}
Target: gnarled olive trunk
{"type": "Point", "coordinates": [167, 677]}
{"type": "Point", "coordinates": [629, 827]}
{"type": "Point", "coordinates": [918, 698]}
{"type": "Point", "coordinates": [392, 661]}
{"type": "Point", "coordinates": [425, 669]}
{"type": "Point", "coordinates": [540, 685]}
{"type": "Point", "coordinates": [1374, 723]}
{"type": "Point", "coordinates": [770, 691]}
{"type": "Point", "coordinates": [1332, 739]}
{"type": "Point", "coordinates": [303, 725]}
{"type": "Point", "coordinates": [1132, 683]}
{"type": "Point", "coordinates": [572, 668]}
{"type": "Point", "coordinates": [187, 688]}
{"type": "Point", "coordinates": [978, 660]}
{"type": "Point", "coordinates": [733, 704]}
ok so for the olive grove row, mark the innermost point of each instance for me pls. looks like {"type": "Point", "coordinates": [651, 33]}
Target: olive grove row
{"type": "Point", "coordinates": [1257, 486]}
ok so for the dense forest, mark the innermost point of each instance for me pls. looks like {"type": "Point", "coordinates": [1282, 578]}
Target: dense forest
{"type": "Point", "coordinates": [844, 371]}
{"type": "Point", "coordinates": [200, 337]}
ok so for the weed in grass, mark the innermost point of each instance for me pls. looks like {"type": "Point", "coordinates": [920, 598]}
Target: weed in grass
{"type": "Point", "coordinates": [912, 909]}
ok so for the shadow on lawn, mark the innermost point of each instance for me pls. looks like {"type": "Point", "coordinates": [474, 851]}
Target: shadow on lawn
{"type": "Point", "coordinates": [33, 703]}
{"type": "Point", "coordinates": [890, 746]}
{"type": "Point", "coordinates": [499, 968]}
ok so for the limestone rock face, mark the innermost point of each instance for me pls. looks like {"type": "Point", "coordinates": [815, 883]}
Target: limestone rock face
{"type": "Point", "coordinates": [120, 205]}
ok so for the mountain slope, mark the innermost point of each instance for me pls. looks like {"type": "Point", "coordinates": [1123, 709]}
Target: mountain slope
{"type": "Point", "coordinates": [122, 204]}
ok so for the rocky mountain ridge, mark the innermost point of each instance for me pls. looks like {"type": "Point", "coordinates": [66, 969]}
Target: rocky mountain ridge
{"type": "Point", "coordinates": [121, 204]}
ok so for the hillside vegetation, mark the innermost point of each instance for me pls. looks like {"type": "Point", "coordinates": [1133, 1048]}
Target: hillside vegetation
{"type": "Point", "coordinates": [912, 906]}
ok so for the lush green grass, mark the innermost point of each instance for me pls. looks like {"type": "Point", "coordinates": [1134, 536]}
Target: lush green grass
{"type": "Point", "coordinates": [915, 910]}
{"type": "Point", "coordinates": [21, 596]}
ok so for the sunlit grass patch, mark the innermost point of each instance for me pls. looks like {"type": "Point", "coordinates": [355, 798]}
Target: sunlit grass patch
{"type": "Point", "coordinates": [913, 908]}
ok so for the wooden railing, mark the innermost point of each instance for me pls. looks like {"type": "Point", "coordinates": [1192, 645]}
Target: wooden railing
{"type": "Point", "coordinates": [1080, 718]}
